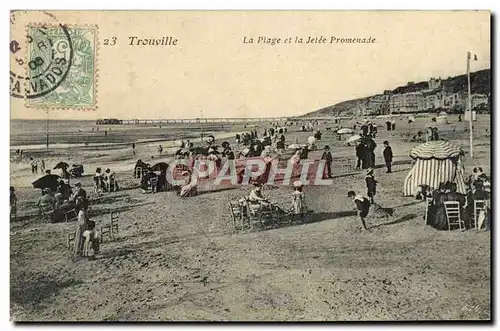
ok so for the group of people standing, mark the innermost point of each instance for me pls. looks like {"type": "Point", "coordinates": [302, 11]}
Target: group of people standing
{"type": "Point", "coordinates": [365, 152]}
{"type": "Point", "coordinates": [105, 182]}
{"type": "Point", "coordinates": [34, 165]}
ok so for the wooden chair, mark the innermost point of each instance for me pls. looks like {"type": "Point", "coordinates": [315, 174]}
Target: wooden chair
{"type": "Point", "coordinates": [479, 205]}
{"type": "Point", "coordinates": [137, 172]}
{"type": "Point", "coordinates": [70, 215]}
{"type": "Point", "coordinates": [453, 214]}
{"type": "Point", "coordinates": [110, 228]}
{"type": "Point", "coordinates": [238, 213]}
{"type": "Point", "coordinates": [46, 215]}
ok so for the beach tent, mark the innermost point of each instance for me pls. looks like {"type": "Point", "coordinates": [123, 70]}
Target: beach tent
{"type": "Point", "coordinates": [436, 162]}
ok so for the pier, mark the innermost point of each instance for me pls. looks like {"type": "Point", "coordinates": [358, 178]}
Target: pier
{"type": "Point", "coordinates": [204, 120]}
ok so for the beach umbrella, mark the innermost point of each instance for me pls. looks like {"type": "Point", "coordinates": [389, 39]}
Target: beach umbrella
{"type": "Point", "coordinates": [47, 181]}
{"type": "Point", "coordinates": [354, 138]}
{"type": "Point", "coordinates": [345, 131]}
{"type": "Point", "coordinates": [160, 166]}
{"type": "Point", "coordinates": [61, 165]}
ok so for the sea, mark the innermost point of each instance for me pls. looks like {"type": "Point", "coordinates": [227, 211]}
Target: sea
{"type": "Point", "coordinates": [32, 134]}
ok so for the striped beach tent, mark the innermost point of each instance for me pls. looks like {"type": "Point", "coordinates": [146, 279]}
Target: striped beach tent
{"type": "Point", "coordinates": [436, 162]}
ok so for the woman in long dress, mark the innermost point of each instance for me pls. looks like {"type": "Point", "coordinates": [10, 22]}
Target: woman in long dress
{"type": "Point", "coordinates": [82, 224]}
{"type": "Point", "coordinates": [439, 220]}
{"type": "Point", "coordinates": [299, 206]}
{"type": "Point", "coordinates": [190, 189]}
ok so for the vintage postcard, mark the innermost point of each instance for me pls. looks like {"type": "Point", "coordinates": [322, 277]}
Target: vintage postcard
{"type": "Point", "coordinates": [250, 165]}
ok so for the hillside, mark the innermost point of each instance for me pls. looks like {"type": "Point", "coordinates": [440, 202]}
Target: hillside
{"type": "Point", "coordinates": [480, 83]}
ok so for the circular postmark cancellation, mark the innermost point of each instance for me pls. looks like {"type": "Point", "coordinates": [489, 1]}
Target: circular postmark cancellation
{"type": "Point", "coordinates": [41, 54]}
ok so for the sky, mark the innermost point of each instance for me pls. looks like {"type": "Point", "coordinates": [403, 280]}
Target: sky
{"type": "Point", "coordinates": [214, 71]}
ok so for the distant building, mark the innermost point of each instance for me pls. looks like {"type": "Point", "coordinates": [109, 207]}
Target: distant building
{"type": "Point", "coordinates": [434, 83]}
{"type": "Point", "coordinates": [478, 100]}
{"type": "Point", "coordinates": [433, 101]}
{"type": "Point", "coordinates": [407, 102]}
{"type": "Point", "coordinates": [452, 100]}
{"type": "Point", "coordinates": [375, 105]}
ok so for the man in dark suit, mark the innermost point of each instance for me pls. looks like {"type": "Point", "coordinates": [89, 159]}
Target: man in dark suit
{"type": "Point", "coordinates": [388, 156]}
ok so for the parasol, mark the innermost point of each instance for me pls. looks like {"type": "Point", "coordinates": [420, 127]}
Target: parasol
{"type": "Point", "coordinates": [294, 146]}
{"type": "Point", "coordinates": [354, 138]}
{"type": "Point", "coordinates": [47, 181]}
{"type": "Point", "coordinates": [345, 131]}
{"type": "Point", "coordinates": [311, 140]}
{"type": "Point", "coordinates": [160, 166]}
{"type": "Point", "coordinates": [61, 165]}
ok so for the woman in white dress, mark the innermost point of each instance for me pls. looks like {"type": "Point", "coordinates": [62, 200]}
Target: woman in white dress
{"type": "Point", "coordinates": [299, 206]}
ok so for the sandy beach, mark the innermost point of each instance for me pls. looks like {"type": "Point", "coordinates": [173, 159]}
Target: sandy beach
{"type": "Point", "coordinates": [181, 259]}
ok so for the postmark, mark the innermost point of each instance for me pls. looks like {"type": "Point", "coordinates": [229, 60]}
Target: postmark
{"type": "Point", "coordinates": [53, 64]}
{"type": "Point", "coordinates": [78, 89]}
{"type": "Point", "coordinates": [34, 76]}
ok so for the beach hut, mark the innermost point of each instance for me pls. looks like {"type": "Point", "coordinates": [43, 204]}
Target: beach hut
{"type": "Point", "coordinates": [436, 162]}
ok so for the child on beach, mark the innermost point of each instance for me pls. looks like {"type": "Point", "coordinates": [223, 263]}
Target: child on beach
{"type": "Point", "coordinates": [371, 185]}
{"type": "Point", "coordinates": [362, 205]}
{"type": "Point", "coordinates": [92, 238]}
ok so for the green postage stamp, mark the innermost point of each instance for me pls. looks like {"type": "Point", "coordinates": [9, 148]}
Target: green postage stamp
{"type": "Point", "coordinates": [62, 60]}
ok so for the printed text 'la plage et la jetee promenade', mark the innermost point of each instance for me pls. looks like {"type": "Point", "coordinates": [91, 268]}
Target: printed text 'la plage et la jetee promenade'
{"type": "Point", "coordinates": [266, 40]}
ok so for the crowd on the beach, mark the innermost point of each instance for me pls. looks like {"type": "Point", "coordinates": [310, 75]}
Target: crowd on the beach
{"type": "Point", "coordinates": [60, 202]}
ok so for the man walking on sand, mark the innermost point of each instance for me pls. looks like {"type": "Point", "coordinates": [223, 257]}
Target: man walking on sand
{"type": "Point", "coordinates": [388, 156]}
{"type": "Point", "coordinates": [362, 205]}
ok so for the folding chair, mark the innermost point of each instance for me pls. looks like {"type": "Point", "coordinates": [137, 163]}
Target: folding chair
{"type": "Point", "coordinates": [110, 228]}
{"type": "Point", "coordinates": [70, 215]}
{"type": "Point", "coordinates": [237, 213]}
{"type": "Point", "coordinates": [46, 215]}
{"type": "Point", "coordinates": [453, 214]}
{"type": "Point", "coordinates": [479, 205]}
